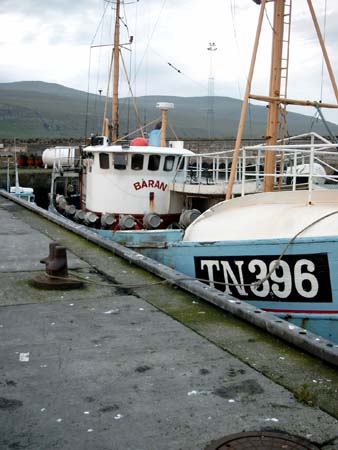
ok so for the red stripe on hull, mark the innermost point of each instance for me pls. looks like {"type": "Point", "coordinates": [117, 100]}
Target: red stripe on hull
{"type": "Point", "coordinates": [310, 311]}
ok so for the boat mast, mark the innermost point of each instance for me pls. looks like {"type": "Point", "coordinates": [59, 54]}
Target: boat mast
{"type": "Point", "coordinates": [274, 91]}
{"type": "Point", "coordinates": [116, 69]}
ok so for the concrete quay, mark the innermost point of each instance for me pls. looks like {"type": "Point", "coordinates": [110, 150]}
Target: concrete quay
{"type": "Point", "coordinates": [131, 363]}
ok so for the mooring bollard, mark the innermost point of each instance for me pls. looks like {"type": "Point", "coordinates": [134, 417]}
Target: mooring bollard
{"type": "Point", "coordinates": [56, 275]}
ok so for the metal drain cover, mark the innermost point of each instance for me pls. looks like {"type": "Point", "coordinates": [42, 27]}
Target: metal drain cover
{"type": "Point", "coordinates": [261, 441]}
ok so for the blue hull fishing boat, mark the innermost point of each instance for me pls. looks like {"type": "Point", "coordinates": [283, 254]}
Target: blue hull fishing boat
{"type": "Point", "coordinates": [288, 268]}
{"type": "Point", "coordinates": [276, 248]}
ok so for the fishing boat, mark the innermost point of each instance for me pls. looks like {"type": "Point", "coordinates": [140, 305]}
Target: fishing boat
{"type": "Point", "coordinates": [276, 248]}
{"type": "Point", "coordinates": [117, 184]}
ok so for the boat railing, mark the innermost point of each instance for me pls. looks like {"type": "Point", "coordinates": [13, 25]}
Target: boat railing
{"type": "Point", "coordinates": [207, 168]}
{"type": "Point", "coordinates": [296, 159]}
{"type": "Point", "coordinates": [304, 165]}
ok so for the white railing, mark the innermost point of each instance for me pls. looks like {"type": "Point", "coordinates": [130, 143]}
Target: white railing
{"type": "Point", "coordinates": [305, 163]}
{"type": "Point", "coordinates": [213, 168]}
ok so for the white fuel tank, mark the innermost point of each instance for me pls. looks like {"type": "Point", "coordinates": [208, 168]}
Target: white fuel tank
{"type": "Point", "coordinates": [63, 156]}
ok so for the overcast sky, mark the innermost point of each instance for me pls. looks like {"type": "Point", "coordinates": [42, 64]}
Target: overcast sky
{"type": "Point", "coordinates": [50, 41]}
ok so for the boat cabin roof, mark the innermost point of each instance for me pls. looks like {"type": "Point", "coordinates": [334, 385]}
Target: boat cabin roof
{"type": "Point", "coordinates": [149, 149]}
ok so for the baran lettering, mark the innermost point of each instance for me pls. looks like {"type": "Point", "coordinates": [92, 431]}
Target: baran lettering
{"type": "Point", "coordinates": [150, 184]}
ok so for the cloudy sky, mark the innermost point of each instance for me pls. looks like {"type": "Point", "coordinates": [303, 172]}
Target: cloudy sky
{"type": "Point", "coordinates": [50, 40]}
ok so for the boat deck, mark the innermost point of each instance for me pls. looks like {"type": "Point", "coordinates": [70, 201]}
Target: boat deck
{"type": "Point", "coordinates": [139, 368]}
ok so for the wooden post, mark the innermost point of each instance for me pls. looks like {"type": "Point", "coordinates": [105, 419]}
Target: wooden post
{"type": "Point", "coordinates": [291, 101]}
{"type": "Point", "coordinates": [245, 103]}
{"type": "Point", "coordinates": [164, 106]}
{"type": "Point", "coordinates": [116, 55]}
{"type": "Point", "coordinates": [275, 82]}
{"type": "Point", "coordinates": [164, 127]}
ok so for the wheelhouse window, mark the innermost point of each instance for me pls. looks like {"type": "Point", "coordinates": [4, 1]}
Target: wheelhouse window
{"type": "Point", "coordinates": [154, 162]}
{"type": "Point", "coordinates": [137, 162]}
{"type": "Point", "coordinates": [104, 160]}
{"type": "Point", "coordinates": [169, 163]}
{"type": "Point", "coordinates": [120, 161]}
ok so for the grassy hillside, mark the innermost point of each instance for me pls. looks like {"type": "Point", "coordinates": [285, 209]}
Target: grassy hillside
{"type": "Point", "coordinates": [34, 109]}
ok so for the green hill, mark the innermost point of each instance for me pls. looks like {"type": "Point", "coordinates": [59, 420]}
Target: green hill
{"type": "Point", "coordinates": [34, 109]}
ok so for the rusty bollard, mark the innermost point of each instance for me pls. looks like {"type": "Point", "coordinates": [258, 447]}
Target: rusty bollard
{"type": "Point", "coordinates": [56, 274]}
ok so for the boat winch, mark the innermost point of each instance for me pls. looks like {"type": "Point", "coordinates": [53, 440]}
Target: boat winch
{"type": "Point", "coordinates": [151, 221]}
{"type": "Point", "coordinates": [90, 218]}
{"type": "Point", "coordinates": [126, 222]}
{"type": "Point", "coordinates": [70, 210]}
{"type": "Point", "coordinates": [61, 202]}
{"type": "Point", "coordinates": [107, 220]}
{"type": "Point", "coordinates": [188, 216]}
{"type": "Point", "coordinates": [79, 215]}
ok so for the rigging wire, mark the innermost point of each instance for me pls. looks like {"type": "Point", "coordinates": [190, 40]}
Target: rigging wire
{"type": "Point", "coordinates": [173, 67]}
{"type": "Point", "coordinates": [233, 19]}
{"type": "Point", "coordinates": [316, 115]}
{"type": "Point", "coordinates": [268, 19]}
{"type": "Point", "coordinates": [176, 69]}
{"type": "Point", "coordinates": [125, 24]}
{"type": "Point", "coordinates": [89, 68]}
{"type": "Point", "coordinates": [149, 39]}
{"type": "Point", "coordinates": [100, 23]}
{"type": "Point", "coordinates": [128, 101]}
{"type": "Point", "coordinates": [324, 38]}
{"type": "Point", "coordinates": [96, 98]}
{"type": "Point", "coordinates": [87, 99]}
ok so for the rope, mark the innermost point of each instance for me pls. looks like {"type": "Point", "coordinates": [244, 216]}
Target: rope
{"type": "Point", "coordinates": [268, 19]}
{"type": "Point", "coordinates": [172, 130]}
{"type": "Point", "coordinates": [137, 130]}
{"type": "Point", "coordinates": [276, 265]}
{"type": "Point", "coordinates": [132, 95]}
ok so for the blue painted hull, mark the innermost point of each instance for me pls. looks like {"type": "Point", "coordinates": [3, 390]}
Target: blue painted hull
{"type": "Point", "coordinates": [303, 289]}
